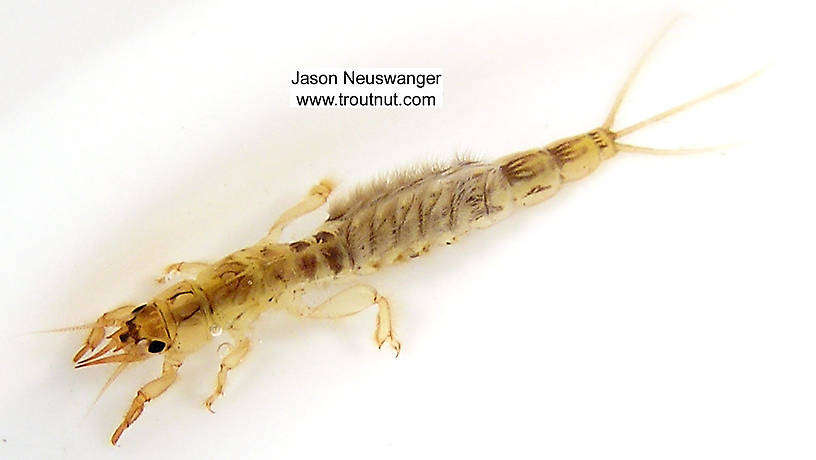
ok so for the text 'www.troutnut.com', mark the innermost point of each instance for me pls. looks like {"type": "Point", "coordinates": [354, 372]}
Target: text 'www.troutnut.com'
{"type": "Point", "coordinates": [366, 87]}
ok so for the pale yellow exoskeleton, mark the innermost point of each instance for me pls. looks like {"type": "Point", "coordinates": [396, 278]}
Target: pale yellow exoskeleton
{"type": "Point", "coordinates": [387, 222]}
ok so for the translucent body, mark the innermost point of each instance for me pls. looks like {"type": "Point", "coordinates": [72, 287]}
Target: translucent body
{"type": "Point", "coordinates": [387, 222]}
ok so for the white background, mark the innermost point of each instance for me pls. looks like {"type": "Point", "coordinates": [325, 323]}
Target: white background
{"type": "Point", "coordinates": [661, 308]}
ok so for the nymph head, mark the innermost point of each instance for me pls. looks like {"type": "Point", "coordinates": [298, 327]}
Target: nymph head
{"type": "Point", "coordinates": [138, 333]}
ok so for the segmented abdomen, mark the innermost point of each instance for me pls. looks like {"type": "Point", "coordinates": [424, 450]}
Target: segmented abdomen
{"type": "Point", "coordinates": [404, 216]}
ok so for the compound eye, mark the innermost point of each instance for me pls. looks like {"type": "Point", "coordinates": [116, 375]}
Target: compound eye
{"type": "Point", "coordinates": [156, 346]}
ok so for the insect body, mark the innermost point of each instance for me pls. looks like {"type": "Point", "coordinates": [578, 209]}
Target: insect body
{"type": "Point", "coordinates": [387, 222]}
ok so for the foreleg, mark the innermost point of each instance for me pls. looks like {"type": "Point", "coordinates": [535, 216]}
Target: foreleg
{"type": "Point", "coordinates": [151, 390]}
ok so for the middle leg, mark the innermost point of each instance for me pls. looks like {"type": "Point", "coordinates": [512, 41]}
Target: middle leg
{"type": "Point", "coordinates": [230, 362]}
{"type": "Point", "coordinates": [238, 330]}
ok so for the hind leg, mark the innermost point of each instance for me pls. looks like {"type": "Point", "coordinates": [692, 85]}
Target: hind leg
{"type": "Point", "coordinates": [352, 301]}
{"type": "Point", "coordinates": [316, 198]}
{"type": "Point", "coordinates": [188, 270]}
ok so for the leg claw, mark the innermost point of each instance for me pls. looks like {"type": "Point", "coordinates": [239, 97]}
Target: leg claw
{"type": "Point", "coordinates": [210, 400]}
{"type": "Point", "coordinates": [392, 341]}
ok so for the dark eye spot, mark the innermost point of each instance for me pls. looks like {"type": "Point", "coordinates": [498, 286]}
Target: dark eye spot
{"type": "Point", "coordinates": [156, 346]}
{"type": "Point", "coordinates": [139, 308]}
{"type": "Point", "coordinates": [123, 337]}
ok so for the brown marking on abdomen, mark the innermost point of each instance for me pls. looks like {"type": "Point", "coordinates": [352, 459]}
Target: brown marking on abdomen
{"type": "Point", "coordinates": [538, 188]}
{"type": "Point", "coordinates": [518, 169]}
{"type": "Point", "coordinates": [308, 263]}
{"type": "Point", "coordinates": [334, 257]}
{"type": "Point", "coordinates": [299, 246]}
{"type": "Point", "coordinates": [323, 237]}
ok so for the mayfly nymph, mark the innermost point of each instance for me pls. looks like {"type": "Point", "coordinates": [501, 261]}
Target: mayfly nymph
{"type": "Point", "coordinates": [384, 223]}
